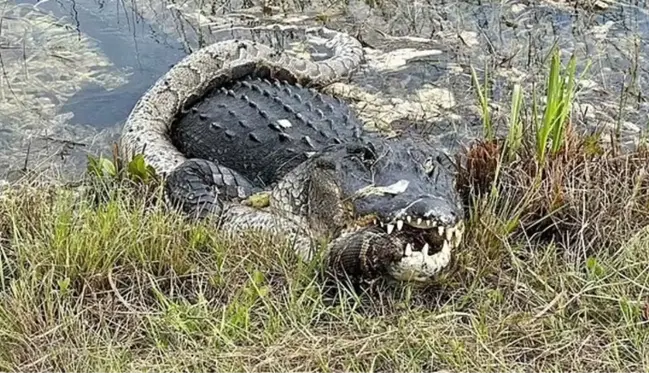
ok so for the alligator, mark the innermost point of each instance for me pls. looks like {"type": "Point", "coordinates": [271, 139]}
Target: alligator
{"type": "Point", "coordinates": [237, 118]}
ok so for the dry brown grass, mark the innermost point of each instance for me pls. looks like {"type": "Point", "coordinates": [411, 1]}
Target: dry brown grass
{"type": "Point", "coordinates": [122, 284]}
{"type": "Point", "coordinates": [585, 195]}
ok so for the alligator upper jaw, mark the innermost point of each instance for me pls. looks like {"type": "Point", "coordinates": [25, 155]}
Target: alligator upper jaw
{"type": "Point", "coordinates": [425, 234]}
{"type": "Point", "coordinates": [417, 235]}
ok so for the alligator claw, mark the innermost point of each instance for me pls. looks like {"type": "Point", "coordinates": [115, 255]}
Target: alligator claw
{"type": "Point", "coordinates": [196, 186]}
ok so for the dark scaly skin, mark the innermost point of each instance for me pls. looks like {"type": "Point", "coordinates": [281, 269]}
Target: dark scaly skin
{"type": "Point", "coordinates": [225, 122]}
{"type": "Point", "coordinates": [201, 183]}
{"type": "Point", "coordinates": [314, 167]}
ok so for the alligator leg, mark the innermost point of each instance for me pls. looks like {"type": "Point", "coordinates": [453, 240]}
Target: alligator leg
{"type": "Point", "coordinates": [200, 187]}
{"type": "Point", "coordinates": [203, 188]}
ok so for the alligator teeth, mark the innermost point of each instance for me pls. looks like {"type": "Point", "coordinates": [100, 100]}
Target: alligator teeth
{"type": "Point", "coordinates": [449, 233]}
{"type": "Point", "coordinates": [408, 251]}
{"type": "Point", "coordinates": [420, 223]}
{"type": "Point", "coordinates": [424, 251]}
{"type": "Point", "coordinates": [390, 228]}
{"type": "Point", "coordinates": [440, 230]}
{"type": "Point", "coordinates": [460, 227]}
{"type": "Point", "coordinates": [458, 233]}
{"type": "Point", "coordinates": [457, 239]}
{"type": "Point", "coordinates": [399, 224]}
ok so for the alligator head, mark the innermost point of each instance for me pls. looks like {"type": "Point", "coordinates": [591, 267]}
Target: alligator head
{"type": "Point", "coordinates": [392, 192]}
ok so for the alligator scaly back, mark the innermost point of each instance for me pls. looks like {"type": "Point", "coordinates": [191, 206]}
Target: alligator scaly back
{"type": "Point", "coordinates": [276, 123]}
{"type": "Point", "coordinates": [147, 127]}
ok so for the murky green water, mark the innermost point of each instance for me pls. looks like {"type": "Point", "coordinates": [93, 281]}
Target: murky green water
{"type": "Point", "coordinates": [72, 70]}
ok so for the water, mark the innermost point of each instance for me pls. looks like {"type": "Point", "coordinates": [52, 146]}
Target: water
{"type": "Point", "coordinates": [129, 42]}
{"type": "Point", "coordinates": [76, 68]}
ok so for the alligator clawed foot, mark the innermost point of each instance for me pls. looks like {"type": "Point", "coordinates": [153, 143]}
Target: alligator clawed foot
{"type": "Point", "coordinates": [200, 187]}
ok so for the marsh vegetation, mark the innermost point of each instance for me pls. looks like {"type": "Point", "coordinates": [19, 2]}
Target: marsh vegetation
{"type": "Point", "coordinates": [552, 274]}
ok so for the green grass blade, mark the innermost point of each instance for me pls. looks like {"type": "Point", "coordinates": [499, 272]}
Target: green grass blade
{"type": "Point", "coordinates": [484, 104]}
{"type": "Point", "coordinates": [515, 135]}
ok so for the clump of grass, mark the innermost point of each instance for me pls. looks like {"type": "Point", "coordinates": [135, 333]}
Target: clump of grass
{"type": "Point", "coordinates": [551, 131]}
{"type": "Point", "coordinates": [553, 183]}
{"type": "Point", "coordinates": [548, 131]}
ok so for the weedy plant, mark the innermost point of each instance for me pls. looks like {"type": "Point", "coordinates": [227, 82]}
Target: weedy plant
{"type": "Point", "coordinates": [136, 170]}
{"type": "Point", "coordinates": [546, 179]}
{"type": "Point", "coordinates": [105, 176]}
{"type": "Point", "coordinates": [548, 130]}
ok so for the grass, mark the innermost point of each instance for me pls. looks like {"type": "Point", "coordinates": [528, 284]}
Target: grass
{"type": "Point", "coordinates": [552, 276]}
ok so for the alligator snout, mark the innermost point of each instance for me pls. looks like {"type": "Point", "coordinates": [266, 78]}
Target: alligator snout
{"type": "Point", "coordinates": [437, 209]}
{"type": "Point", "coordinates": [423, 211]}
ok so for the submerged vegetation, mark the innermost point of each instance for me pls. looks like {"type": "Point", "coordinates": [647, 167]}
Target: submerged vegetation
{"type": "Point", "coordinates": [552, 274]}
